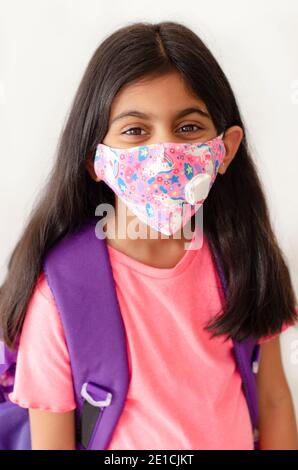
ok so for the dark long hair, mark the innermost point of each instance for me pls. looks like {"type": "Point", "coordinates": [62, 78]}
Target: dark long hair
{"type": "Point", "coordinates": [236, 219]}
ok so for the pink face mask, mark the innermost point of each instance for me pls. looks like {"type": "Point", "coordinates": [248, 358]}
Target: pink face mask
{"type": "Point", "coordinates": [156, 181]}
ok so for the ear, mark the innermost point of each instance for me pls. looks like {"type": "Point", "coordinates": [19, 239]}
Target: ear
{"type": "Point", "coordinates": [90, 168]}
{"type": "Point", "coordinates": [232, 139]}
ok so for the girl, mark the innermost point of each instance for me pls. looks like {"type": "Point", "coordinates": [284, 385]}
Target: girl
{"type": "Point", "coordinates": [147, 84]}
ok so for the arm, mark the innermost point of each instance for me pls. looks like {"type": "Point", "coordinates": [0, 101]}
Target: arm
{"type": "Point", "coordinates": [277, 423]}
{"type": "Point", "coordinates": [51, 430]}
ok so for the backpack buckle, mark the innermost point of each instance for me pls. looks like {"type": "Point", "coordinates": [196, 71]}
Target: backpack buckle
{"type": "Point", "coordinates": [100, 397]}
{"type": "Point", "coordinates": [255, 359]}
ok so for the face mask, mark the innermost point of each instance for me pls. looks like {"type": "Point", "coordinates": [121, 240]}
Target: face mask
{"type": "Point", "coordinates": [156, 181]}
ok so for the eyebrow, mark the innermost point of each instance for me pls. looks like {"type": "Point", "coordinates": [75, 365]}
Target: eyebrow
{"type": "Point", "coordinates": [182, 113]}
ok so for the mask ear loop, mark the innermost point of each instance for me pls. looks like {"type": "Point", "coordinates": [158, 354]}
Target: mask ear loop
{"type": "Point", "coordinates": [221, 136]}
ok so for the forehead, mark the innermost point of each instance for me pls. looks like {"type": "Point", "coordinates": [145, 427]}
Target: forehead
{"type": "Point", "coordinates": [158, 95]}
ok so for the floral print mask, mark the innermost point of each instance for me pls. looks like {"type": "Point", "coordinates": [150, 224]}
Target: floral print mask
{"type": "Point", "coordinates": [157, 180]}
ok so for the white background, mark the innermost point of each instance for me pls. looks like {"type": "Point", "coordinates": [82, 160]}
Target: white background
{"type": "Point", "coordinates": [45, 46]}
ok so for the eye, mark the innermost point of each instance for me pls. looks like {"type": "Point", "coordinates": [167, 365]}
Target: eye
{"type": "Point", "coordinates": [190, 125]}
{"type": "Point", "coordinates": [132, 129]}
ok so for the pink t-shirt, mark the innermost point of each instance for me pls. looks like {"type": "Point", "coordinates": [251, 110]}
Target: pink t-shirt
{"type": "Point", "coordinates": [185, 390]}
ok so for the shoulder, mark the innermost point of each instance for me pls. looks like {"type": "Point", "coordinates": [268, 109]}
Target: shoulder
{"type": "Point", "coordinates": [42, 288]}
{"type": "Point", "coordinates": [42, 329]}
{"type": "Point", "coordinates": [41, 314]}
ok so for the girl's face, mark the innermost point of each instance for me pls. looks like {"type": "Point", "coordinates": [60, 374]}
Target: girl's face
{"type": "Point", "coordinates": [162, 109]}
{"type": "Point", "coordinates": [156, 110]}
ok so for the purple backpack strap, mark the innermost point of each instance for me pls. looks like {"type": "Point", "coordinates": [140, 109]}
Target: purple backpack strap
{"type": "Point", "coordinates": [247, 354]}
{"type": "Point", "coordinates": [79, 274]}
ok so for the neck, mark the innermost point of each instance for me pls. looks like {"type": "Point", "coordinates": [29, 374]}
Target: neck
{"type": "Point", "coordinates": [133, 237]}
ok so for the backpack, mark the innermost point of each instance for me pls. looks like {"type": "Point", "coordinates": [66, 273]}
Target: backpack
{"type": "Point", "coordinates": [79, 274]}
